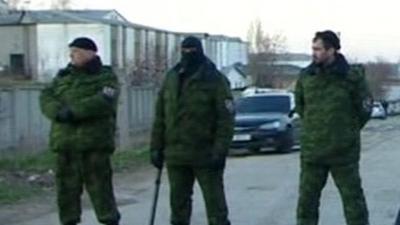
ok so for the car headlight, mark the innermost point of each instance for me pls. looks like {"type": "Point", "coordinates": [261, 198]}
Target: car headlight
{"type": "Point", "coordinates": [271, 126]}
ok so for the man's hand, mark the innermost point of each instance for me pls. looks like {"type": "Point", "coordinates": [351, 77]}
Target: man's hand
{"type": "Point", "coordinates": [157, 159]}
{"type": "Point", "coordinates": [65, 115]}
{"type": "Point", "coordinates": [109, 93]}
{"type": "Point", "coordinates": [217, 162]}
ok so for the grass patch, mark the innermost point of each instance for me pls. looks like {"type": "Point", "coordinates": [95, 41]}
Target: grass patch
{"type": "Point", "coordinates": [11, 192]}
{"type": "Point", "coordinates": [16, 173]}
{"type": "Point", "coordinates": [25, 176]}
{"type": "Point", "coordinates": [33, 163]}
{"type": "Point", "coordinates": [130, 159]}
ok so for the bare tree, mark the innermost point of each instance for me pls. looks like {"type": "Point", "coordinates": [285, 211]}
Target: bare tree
{"type": "Point", "coordinates": [61, 4]}
{"type": "Point", "coordinates": [379, 74]}
{"type": "Point", "coordinates": [264, 51]}
{"type": "Point", "coordinates": [148, 71]}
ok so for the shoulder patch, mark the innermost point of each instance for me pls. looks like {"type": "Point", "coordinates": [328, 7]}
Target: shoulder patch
{"type": "Point", "coordinates": [230, 105]}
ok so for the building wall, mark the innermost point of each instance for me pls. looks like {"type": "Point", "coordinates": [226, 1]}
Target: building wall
{"type": "Point", "coordinates": [31, 51]}
{"type": "Point", "coordinates": [151, 46]}
{"type": "Point", "coordinates": [130, 47]}
{"type": "Point", "coordinates": [24, 129]}
{"type": "Point", "coordinates": [22, 124]}
{"type": "Point", "coordinates": [236, 80]}
{"type": "Point", "coordinates": [140, 45]}
{"type": "Point", "coordinates": [18, 40]}
{"type": "Point", "coordinates": [52, 45]}
{"type": "Point", "coordinates": [46, 46]}
{"type": "Point", "coordinates": [172, 49]}
{"type": "Point", "coordinates": [224, 51]}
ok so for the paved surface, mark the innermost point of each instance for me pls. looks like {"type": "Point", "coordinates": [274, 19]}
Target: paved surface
{"type": "Point", "coordinates": [262, 190]}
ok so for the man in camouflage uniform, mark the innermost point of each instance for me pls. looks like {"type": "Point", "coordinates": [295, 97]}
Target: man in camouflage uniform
{"type": "Point", "coordinates": [334, 103]}
{"type": "Point", "coordinates": [193, 129]}
{"type": "Point", "coordinates": [81, 103]}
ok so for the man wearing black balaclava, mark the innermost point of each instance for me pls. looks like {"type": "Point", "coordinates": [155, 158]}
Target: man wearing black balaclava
{"type": "Point", "coordinates": [191, 59]}
{"type": "Point", "coordinates": [192, 131]}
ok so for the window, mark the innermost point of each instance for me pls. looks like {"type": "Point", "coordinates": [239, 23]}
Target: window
{"type": "Point", "coordinates": [264, 104]}
{"type": "Point", "coordinates": [17, 64]}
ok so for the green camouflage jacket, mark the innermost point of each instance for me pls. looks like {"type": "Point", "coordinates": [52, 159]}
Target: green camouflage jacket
{"type": "Point", "coordinates": [334, 103]}
{"type": "Point", "coordinates": [196, 124]}
{"type": "Point", "coordinates": [92, 127]}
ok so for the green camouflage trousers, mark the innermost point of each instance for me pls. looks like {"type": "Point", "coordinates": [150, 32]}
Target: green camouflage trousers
{"type": "Point", "coordinates": [92, 171]}
{"type": "Point", "coordinates": [313, 179]}
{"type": "Point", "coordinates": [182, 178]}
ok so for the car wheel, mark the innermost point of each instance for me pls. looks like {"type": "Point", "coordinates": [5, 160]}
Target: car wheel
{"type": "Point", "coordinates": [255, 150]}
{"type": "Point", "coordinates": [284, 149]}
{"type": "Point", "coordinates": [288, 143]}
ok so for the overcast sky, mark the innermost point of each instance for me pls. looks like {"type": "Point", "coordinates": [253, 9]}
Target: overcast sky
{"type": "Point", "coordinates": [369, 29]}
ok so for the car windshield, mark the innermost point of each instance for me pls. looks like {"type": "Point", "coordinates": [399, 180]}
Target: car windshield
{"type": "Point", "coordinates": [264, 104]}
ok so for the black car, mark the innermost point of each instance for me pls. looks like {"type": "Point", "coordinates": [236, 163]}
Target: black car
{"type": "Point", "coordinates": [262, 121]}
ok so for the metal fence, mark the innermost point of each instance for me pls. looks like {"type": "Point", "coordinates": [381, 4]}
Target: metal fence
{"type": "Point", "coordinates": [23, 128]}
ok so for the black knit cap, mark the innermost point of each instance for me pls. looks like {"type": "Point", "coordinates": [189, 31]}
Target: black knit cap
{"type": "Point", "coordinates": [330, 39]}
{"type": "Point", "coordinates": [192, 42]}
{"type": "Point", "coordinates": [84, 43]}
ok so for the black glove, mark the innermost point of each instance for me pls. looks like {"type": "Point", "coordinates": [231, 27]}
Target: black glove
{"type": "Point", "coordinates": [157, 159]}
{"type": "Point", "coordinates": [65, 115]}
{"type": "Point", "coordinates": [217, 162]}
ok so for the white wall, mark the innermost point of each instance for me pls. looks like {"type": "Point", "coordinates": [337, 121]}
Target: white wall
{"type": "Point", "coordinates": [130, 47]}
{"type": "Point", "coordinates": [151, 45]}
{"type": "Point", "coordinates": [53, 40]}
{"type": "Point", "coordinates": [236, 79]}
{"type": "Point", "coordinates": [173, 50]}
{"type": "Point", "coordinates": [226, 51]}
{"type": "Point", "coordinates": [120, 47]}
{"type": "Point", "coordinates": [52, 46]}
{"type": "Point", "coordinates": [236, 52]}
{"type": "Point", "coordinates": [12, 42]}
{"type": "Point", "coordinates": [393, 92]}
{"type": "Point", "coordinates": [140, 50]}
{"type": "Point", "coordinates": [19, 40]}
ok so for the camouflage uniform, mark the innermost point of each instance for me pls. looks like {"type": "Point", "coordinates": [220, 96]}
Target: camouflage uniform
{"type": "Point", "coordinates": [334, 103]}
{"type": "Point", "coordinates": [83, 140]}
{"type": "Point", "coordinates": [193, 126]}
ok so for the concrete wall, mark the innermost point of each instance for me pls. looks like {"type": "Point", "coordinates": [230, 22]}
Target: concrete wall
{"type": "Point", "coordinates": [236, 80]}
{"type": "Point", "coordinates": [140, 46]}
{"type": "Point", "coordinates": [224, 51]}
{"type": "Point", "coordinates": [23, 128]}
{"type": "Point", "coordinates": [19, 40]}
{"type": "Point", "coordinates": [21, 124]}
{"type": "Point", "coordinates": [12, 39]}
{"type": "Point", "coordinates": [130, 47]}
{"type": "Point", "coordinates": [52, 45]}
{"type": "Point", "coordinates": [46, 46]}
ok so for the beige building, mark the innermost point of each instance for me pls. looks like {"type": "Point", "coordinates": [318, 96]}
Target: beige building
{"type": "Point", "coordinates": [34, 43]}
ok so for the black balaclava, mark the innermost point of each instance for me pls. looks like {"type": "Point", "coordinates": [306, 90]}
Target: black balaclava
{"type": "Point", "coordinates": [190, 62]}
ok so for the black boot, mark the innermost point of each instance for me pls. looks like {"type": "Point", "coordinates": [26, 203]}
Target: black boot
{"type": "Point", "coordinates": [112, 223]}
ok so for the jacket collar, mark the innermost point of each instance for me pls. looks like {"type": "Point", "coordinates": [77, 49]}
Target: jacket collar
{"type": "Point", "coordinates": [340, 67]}
{"type": "Point", "coordinates": [92, 67]}
{"type": "Point", "coordinates": [204, 72]}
